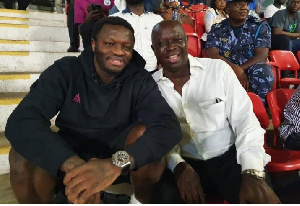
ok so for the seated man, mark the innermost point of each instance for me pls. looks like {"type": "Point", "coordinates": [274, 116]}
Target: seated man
{"type": "Point", "coordinates": [289, 130]}
{"type": "Point", "coordinates": [243, 42]}
{"type": "Point", "coordinates": [285, 27]}
{"type": "Point", "coordinates": [106, 101]}
{"type": "Point", "coordinates": [272, 8]}
{"type": "Point", "coordinates": [222, 147]}
{"type": "Point", "coordinates": [143, 22]}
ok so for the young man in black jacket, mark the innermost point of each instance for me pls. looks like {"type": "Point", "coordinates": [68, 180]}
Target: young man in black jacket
{"type": "Point", "coordinates": [112, 119]}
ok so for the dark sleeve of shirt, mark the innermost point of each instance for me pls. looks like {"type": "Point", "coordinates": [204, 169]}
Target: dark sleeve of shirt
{"type": "Point", "coordinates": [213, 38]}
{"type": "Point", "coordinates": [163, 130]}
{"type": "Point", "coordinates": [277, 20]}
{"type": "Point", "coordinates": [264, 36]}
{"type": "Point", "coordinates": [28, 127]}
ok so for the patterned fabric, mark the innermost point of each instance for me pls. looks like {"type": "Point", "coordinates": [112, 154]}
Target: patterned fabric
{"type": "Point", "coordinates": [240, 49]}
{"type": "Point", "coordinates": [291, 123]}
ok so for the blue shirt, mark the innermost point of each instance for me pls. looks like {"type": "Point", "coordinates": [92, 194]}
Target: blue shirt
{"type": "Point", "coordinates": [241, 48]}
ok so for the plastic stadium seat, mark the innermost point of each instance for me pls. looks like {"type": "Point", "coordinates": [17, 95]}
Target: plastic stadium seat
{"type": "Point", "coordinates": [298, 56]}
{"type": "Point", "coordinates": [275, 71]}
{"type": "Point", "coordinates": [194, 45]}
{"type": "Point", "coordinates": [277, 100]}
{"type": "Point", "coordinates": [198, 7]}
{"type": "Point", "coordinates": [281, 160]}
{"type": "Point", "coordinates": [188, 28]}
{"type": "Point", "coordinates": [285, 60]}
{"type": "Point", "coordinates": [200, 25]}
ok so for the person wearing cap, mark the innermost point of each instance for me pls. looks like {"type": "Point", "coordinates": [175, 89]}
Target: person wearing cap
{"type": "Point", "coordinates": [243, 42]}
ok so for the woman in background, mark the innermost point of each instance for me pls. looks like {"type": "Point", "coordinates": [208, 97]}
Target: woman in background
{"type": "Point", "coordinates": [215, 14]}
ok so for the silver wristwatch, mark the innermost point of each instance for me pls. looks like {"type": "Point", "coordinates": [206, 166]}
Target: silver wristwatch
{"type": "Point", "coordinates": [258, 174]}
{"type": "Point", "coordinates": [122, 159]}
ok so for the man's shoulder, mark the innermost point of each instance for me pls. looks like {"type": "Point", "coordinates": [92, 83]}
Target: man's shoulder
{"type": "Point", "coordinates": [223, 25]}
{"type": "Point", "coordinates": [254, 20]}
{"type": "Point", "coordinates": [270, 7]}
{"type": "Point", "coordinates": [280, 13]}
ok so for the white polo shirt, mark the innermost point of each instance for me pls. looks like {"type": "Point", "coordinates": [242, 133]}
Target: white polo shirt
{"type": "Point", "coordinates": [142, 26]}
{"type": "Point", "coordinates": [271, 9]}
{"type": "Point", "coordinates": [214, 112]}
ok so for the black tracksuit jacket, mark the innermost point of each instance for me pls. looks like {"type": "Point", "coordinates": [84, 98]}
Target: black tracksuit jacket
{"type": "Point", "coordinates": [91, 115]}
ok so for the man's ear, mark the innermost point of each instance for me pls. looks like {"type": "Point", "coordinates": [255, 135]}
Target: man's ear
{"type": "Point", "coordinates": [152, 48]}
{"type": "Point", "coordinates": [93, 44]}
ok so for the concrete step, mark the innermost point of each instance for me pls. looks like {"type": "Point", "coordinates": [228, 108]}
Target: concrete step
{"type": "Point", "coordinates": [8, 102]}
{"type": "Point", "coordinates": [42, 15]}
{"type": "Point", "coordinates": [19, 82]}
{"type": "Point", "coordinates": [3, 141]}
{"type": "Point", "coordinates": [32, 22]}
{"type": "Point", "coordinates": [29, 62]}
{"type": "Point", "coordinates": [33, 46]}
{"type": "Point", "coordinates": [33, 33]}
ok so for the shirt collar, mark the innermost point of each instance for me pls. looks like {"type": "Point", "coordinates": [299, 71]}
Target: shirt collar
{"type": "Point", "coordinates": [127, 10]}
{"type": "Point", "coordinates": [194, 65]}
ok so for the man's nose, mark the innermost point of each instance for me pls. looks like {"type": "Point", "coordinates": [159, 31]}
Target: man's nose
{"type": "Point", "coordinates": [118, 50]}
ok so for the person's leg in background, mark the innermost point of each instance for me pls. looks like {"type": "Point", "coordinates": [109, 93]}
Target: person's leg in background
{"type": "Point", "coordinates": [8, 4]}
{"type": "Point", "coordinates": [261, 80]}
{"type": "Point", "coordinates": [295, 46]}
{"type": "Point", "coordinates": [58, 6]}
{"type": "Point", "coordinates": [72, 28]}
{"type": "Point", "coordinates": [23, 4]}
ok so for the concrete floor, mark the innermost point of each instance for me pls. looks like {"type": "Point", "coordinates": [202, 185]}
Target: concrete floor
{"type": "Point", "coordinates": [286, 186]}
{"type": "Point", "coordinates": [6, 194]}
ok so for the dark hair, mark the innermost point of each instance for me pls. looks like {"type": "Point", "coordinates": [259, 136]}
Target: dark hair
{"type": "Point", "coordinates": [112, 20]}
{"type": "Point", "coordinates": [213, 4]}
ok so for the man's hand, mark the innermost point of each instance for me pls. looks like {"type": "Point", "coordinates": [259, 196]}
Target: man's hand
{"type": "Point", "coordinates": [94, 16]}
{"type": "Point", "coordinates": [256, 191]}
{"type": "Point", "coordinates": [72, 163]}
{"type": "Point", "coordinates": [241, 75]}
{"type": "Point", "coordinates": [188, 183]}
{"type": "Point", "coordinates": [89, 179]}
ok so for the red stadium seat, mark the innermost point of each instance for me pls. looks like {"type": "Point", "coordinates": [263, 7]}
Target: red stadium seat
{"type": "Point", "coordinates": [277, 100]}
{"type": "Point", "coordinates": [285, 60]}
{"type": "Point", "coordinates": [200, 25]}
{"type": "Point", "coordinates": [188, 28]}
{"type": "Point", "coordinates": [281, 160]}
{"type": "Point", "coordinates": [194, 45]}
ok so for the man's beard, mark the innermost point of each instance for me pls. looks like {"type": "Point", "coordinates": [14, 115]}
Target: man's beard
{"type": "Point", "coordinates": [134, 2]}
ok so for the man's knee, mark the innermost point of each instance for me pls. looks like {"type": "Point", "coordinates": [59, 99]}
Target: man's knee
{"type": "Point", "coordinates": [261, 74]}
{"type": "Point", "coordinates": [18, 164]}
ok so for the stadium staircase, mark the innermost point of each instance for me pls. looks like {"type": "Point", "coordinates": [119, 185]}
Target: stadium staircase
{"type": "Point", "coordinates": [30, 41]}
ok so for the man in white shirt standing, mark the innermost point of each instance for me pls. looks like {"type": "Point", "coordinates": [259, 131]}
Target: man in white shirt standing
{"type": "Point", "coordinates": [272, 8]}
{"type": "Point", "coordinates": [221, 151]}
{"type": "Point", "coordinates": [142, 22]}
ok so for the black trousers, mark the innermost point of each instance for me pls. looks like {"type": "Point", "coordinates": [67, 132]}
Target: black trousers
{"type": "Point", "coordinates": [220, 176]}
{"type": "Point", "coordinates": [86, 33]}
{"type": "Point", "coordinates": [72, 27]}
{"type": "Point", "coordinates": [22, 4]}
{"type": "Point", "coordinates": [292, 142]}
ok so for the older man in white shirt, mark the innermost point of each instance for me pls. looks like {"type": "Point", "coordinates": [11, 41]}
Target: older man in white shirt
{"type": "Point", "coordinates": [222, 146]}
{"type": "Point", "coordinates": [142, 22]}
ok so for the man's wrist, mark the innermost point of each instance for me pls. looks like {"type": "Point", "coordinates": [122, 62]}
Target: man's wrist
{"type": "Point", "coordinates": [71, 163]}
{"type": "Point", "coordinates": [255, 173]}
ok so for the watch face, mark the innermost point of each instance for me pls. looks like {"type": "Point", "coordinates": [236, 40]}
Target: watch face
{"type": "Point", "coordinates": [121, 159]}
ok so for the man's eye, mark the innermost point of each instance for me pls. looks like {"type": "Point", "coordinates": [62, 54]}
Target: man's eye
{"type": "Point", "coordinates": [178, 40]}
{"type": "Point", "coordinates": [162, 44]}
{"type": "Point", "coordinates": [127, 48]}
{"type": "Point", "coordinates": [109, 43]}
